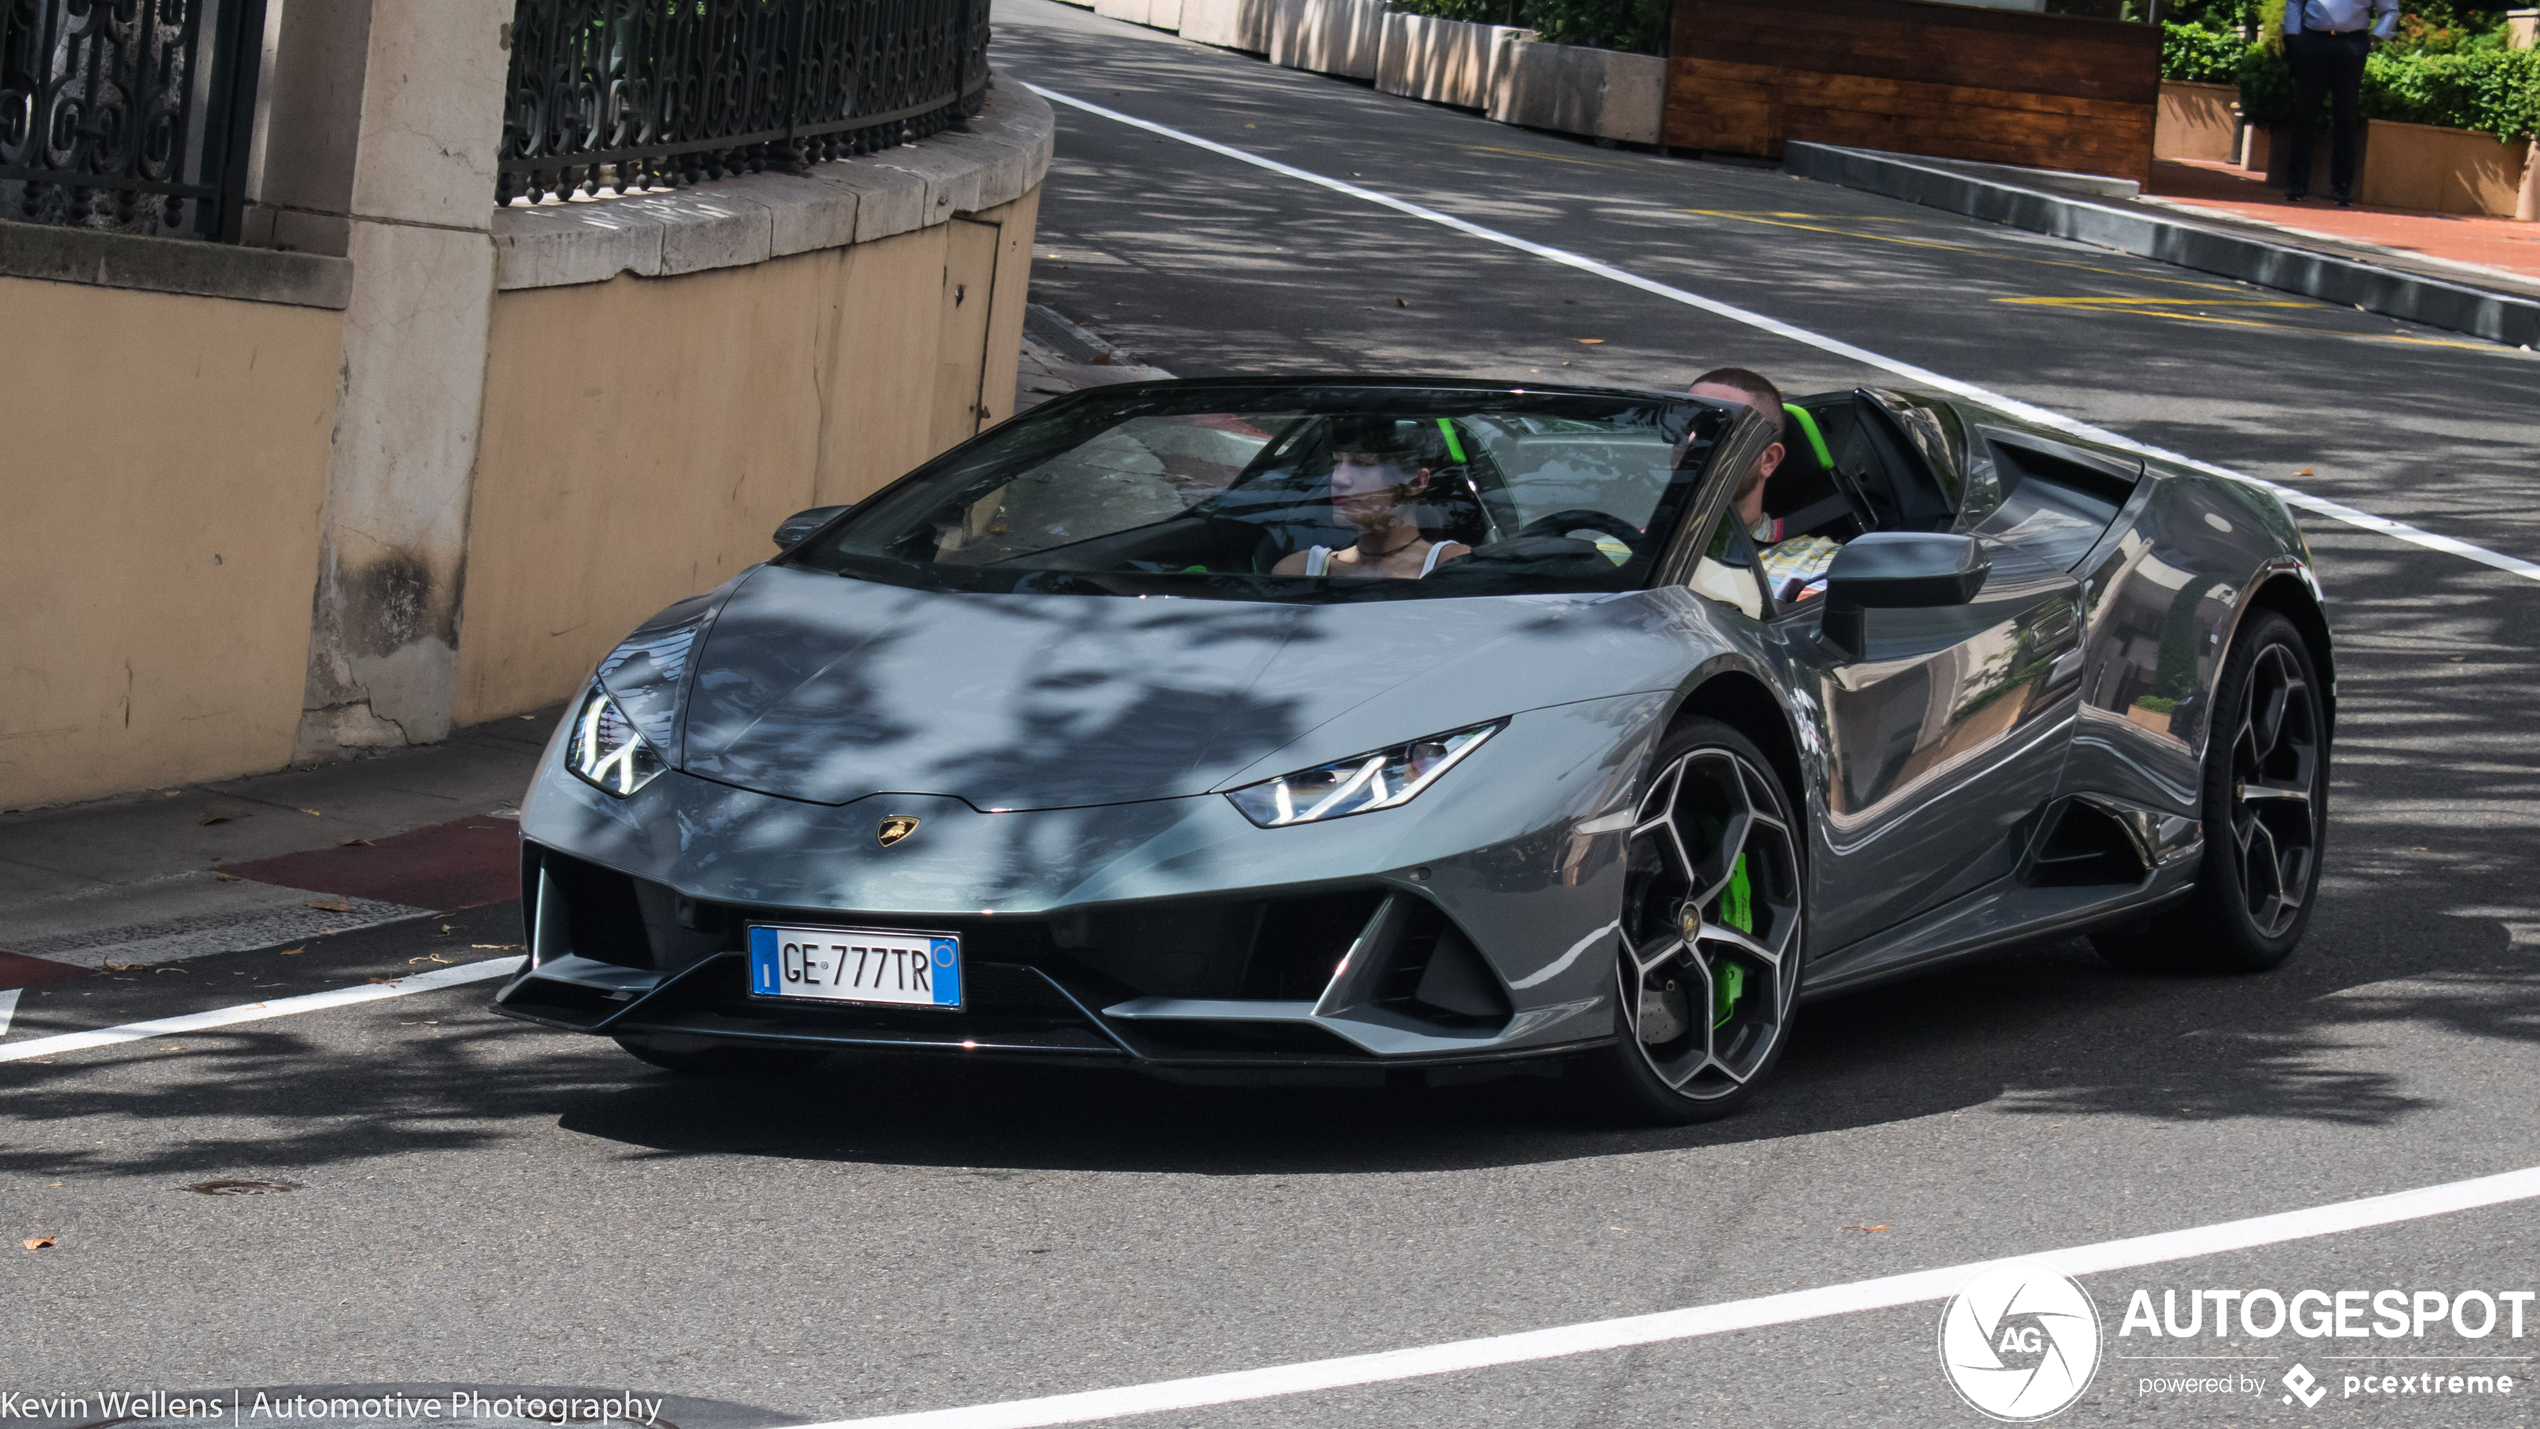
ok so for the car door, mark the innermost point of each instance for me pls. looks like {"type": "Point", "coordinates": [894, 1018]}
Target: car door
{"type": "Point", "coordinates": [1945, 728]}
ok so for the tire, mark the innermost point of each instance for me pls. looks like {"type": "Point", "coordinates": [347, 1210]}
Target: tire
{"type": "Point", "coordinates": [2265, 815]}
{"type": "Point", "coordinates": [741, 1062]}
{"type": "Point", "coordinates": [1707, 967]}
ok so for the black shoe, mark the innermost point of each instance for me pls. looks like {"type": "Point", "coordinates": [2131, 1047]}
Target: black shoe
{"type": "Point", "coordinates": [2345, 199]}
{"type": "Point", "coordinates": [2296, 195]}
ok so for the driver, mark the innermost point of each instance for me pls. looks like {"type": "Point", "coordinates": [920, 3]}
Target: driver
{"type": "Point", "coordinates": [1378, 480]}
{"type": "Point", "coordinates": [1794, 566]}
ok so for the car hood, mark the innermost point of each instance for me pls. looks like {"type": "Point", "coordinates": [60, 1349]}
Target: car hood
{"type": "Point", "coordinates": [817, 687]}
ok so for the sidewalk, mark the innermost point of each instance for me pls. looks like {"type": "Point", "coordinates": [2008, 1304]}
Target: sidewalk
{"type": "Point", "coordinates": [2503, 253]}
{"type": "Point", "coordinates": [168, 874]}
{"type": "Point", "coordinates": [2417, 267]}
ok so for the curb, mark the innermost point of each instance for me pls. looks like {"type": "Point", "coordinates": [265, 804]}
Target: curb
{"type": "Point", "coordinates": [2452, 307]}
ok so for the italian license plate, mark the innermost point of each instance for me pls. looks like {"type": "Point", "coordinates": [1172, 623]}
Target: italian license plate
{"type": "Point", "coordinates": [855, 965]}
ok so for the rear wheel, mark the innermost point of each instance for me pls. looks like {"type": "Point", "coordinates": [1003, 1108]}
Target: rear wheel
{"type": "Point", "coordinates": [712, 1061]}
{"type": "Point", "coordinates": [2266, 817]}
{"type": "Point", "coordinates": [1709, 959]}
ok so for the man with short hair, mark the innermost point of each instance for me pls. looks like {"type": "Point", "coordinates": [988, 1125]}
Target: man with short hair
{"type": "Point", "coordinates": [1794, 565]}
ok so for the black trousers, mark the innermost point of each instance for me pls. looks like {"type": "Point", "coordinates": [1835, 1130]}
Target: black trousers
{"type": "Point", "coordinates": [2324, 63]}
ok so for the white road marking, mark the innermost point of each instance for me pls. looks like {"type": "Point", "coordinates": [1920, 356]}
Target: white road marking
{"type": "Point", "coordinates": [2335, 511]}
{"type": "Point", "coordinates": [259, 1011]}
{"type": "Point", "coordinates": [8, 1008]}
{"type": "Point", "coordinates": [1886, 1292]}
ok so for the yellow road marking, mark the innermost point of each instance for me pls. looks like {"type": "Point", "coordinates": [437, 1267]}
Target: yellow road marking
{"type": "Point", "coordinates": [1832, 217]}
{"type": "Point", "coordinates": [1556, 158]}
{"type": "Point", "coordinates": [2092, 302]}
{"type": "Point", "coordinates": [2142, 306]}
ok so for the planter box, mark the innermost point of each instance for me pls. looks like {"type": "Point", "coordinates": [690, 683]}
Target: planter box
{"type": "Point", "coordinates": [2419, 166]}
{"type": "Point", "coordinates": [1233, 24]}
{"type": "Point", "coordinates": [1338, 37]}
{"type": "Point", "coordinates": [1571, 89]}
{"type": "Point", "coordinates": [1441, 61]}
{"type": "Point", "coordinates": [2440, 170]}
{"type": "Point", "coordinates": [2197, 121]}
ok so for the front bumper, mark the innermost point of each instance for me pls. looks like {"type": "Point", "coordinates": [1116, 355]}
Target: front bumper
{"type": "Point", "coordinates": [1171, 936]}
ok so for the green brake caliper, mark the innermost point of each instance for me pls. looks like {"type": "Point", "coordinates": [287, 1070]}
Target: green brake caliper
{"type": "Point", "coordinates": [1737, 909]}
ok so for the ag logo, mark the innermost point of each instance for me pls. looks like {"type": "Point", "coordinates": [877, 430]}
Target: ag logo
{"type": "Point", "coordinates": [2020, 1343]}
{"type": "Point", "coordinates": [894, 829]}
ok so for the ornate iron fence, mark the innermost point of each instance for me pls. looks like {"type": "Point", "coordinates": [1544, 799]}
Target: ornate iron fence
{"type": "Point", "coordinates": [133, 115]}
{"type": "Point", "coordinates": [634, 94]}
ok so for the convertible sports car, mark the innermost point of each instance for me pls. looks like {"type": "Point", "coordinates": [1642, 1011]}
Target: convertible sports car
{"type": "Point", "coordinates": [1339, 730]}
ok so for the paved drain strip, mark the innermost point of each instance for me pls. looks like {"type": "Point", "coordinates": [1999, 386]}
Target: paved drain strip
{"type": "Point", "coordinates": [1887, 1292]}
{"type": "Point", "coordinates": [2335, 511]}
{"type": "Point", "coordinates": [259, 1011]}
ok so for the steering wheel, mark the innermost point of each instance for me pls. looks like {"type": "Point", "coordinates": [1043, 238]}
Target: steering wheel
{"type": "Point", "coordinates": [1562, 523]}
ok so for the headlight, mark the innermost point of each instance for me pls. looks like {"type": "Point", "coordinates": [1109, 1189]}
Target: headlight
{"type": "Point", "coordinates": [605, 749]}
{"type": "Point", "coordinates": [1361, 783]}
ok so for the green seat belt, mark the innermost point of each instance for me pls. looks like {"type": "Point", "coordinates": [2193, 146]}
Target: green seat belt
{"type": "Point", "coordinates": [1454, 448]}
{"type": "Point", "coordinates": [1808, 428]}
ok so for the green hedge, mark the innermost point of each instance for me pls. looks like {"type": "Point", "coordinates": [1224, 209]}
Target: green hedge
{"type": "Point", "coordinates": [2494, 91]}
{"type": "Point", "coordinates": [2192, 52]}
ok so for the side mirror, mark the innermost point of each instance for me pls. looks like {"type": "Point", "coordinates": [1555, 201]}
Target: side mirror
{"type": "Point", "coordinates": [1895, 570]}
{"type": "Point", "coordinates": [790, 533]}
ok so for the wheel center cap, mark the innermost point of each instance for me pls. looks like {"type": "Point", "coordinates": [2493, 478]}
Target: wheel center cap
{"type": "Point", "coordinates": [1689, 922]}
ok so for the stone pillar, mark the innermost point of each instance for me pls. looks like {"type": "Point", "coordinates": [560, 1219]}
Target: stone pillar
{"type": "Point", "coordinates": [384, 635]}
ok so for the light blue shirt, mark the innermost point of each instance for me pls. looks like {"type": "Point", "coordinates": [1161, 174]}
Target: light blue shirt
{"type": "Point", "coordinates": [2342, 16]}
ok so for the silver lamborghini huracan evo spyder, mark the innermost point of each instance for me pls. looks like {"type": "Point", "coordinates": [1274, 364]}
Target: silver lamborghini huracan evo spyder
{"type": "Point", "coordinates": [1338, 730]}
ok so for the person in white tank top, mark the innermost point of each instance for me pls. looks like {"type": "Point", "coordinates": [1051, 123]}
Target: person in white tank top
{"type": "Point", "coordinates": [1377, 483]}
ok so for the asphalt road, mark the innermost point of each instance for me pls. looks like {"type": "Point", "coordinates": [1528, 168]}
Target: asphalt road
{"type": "Point", "coordinates": [480, 1202]}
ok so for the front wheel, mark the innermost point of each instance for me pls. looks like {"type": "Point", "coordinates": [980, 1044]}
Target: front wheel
{"type": "Point", "coordinates": [2266, 817]}
{"type": "Point", "coordinates": [1708, 963]}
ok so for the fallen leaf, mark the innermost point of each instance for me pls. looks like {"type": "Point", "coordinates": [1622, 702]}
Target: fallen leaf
{"type": "Point", "coordinates": [209, 818]}
{"type": "Point", "coordinates": [337, 905]}
{"type": "Point", "coordinates": [1402, 302]}
{"type": "Point", "coordinates": [1866, 1228]}
{"type": "Point", "coordinates": [447, 927]}
{"type": "Point", "coordinates": [348, 843]}
{"type": "Point", "coordinates": [1591, 341]}
{"type": "Point", "coordinates": [36, 1242]}
{"type": "Point", "coordinates": [295, 952]}
{"type": "Point", "coordinates": [167, 970]}
{"type": "Point", "coordinates": [429, 958]}
{"type": "Point", "coordinates": [379, 979]}
{"type": "Point", "coordinates": [224, 878]}
{"type": "Point", "coordinates": [500, 947]}
{"type": "Point", "coordinates": [2306, 471]}
{"type": "Point", "coordinates": [312, 813]}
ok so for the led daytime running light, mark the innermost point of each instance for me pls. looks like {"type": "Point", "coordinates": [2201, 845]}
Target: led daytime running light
{"type": "Point", "coordinates": [1362, 783]}
{"type": "Point", "coordinates": [606, 750]}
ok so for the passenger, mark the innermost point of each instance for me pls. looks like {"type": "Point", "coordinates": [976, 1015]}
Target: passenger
{"type": "Point", "coordinates": [1378, 479]}
{"type": "Point", "coordinates": [1794, 565]}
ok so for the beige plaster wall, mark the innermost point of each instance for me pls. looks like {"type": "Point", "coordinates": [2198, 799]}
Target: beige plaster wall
{"type": "Point", "coordinates": [159, 631]}
{"type": "Point", "coordinates": [2439, 170]}
{"type": "Point", "coordinates": [2196, 121]}
{"type": "Point", "coordinates": [643, 436]}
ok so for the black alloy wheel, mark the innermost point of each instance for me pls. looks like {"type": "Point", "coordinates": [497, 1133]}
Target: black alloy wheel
{"type": "Point", "coordinates": [2266, 816]}
{"type": "Point", "coordinates": [1713, 904]}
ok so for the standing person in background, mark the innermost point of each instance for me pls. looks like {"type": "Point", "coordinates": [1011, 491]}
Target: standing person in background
{"type": "Point", "coordinates": [2325, 42]}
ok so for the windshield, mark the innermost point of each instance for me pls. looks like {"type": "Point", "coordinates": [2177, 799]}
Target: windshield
{"type": "Point", "coordinates": [1293, 492]}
